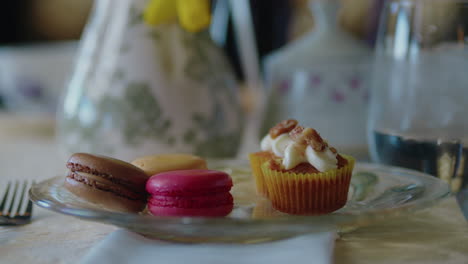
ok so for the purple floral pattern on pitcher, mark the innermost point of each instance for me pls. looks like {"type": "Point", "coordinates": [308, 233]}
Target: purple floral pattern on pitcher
{"type": "Point", "coordinates": [337, 96]}
{"type": "Point", "coordinates": [29, 88]}
{"type": "Point", "coordinates": [284, 87]}
{"type": "Point", "coordinates": [338, 87]}
{"type": "Point", "coordinates": [315, 80]}
{"type": "Point", "coordinates": [355, 83]}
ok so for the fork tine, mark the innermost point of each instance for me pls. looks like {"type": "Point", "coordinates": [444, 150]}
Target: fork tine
{"type": "Point", "coordinates": [21, 198]}
{"type": "Point", "coordinates": [5, 198]}
{"type": "Point", "coordinates": [29, 207]}
{"type": "Point", "coordinates": [13, 199]}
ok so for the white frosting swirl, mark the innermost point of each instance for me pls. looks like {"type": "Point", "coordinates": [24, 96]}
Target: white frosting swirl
{"type": "Point", "coordinates": [322, 161]}
{"type": "Point", "coordinates": [294, 154]}
{"type": "Point", "coordinates": [266, 143]}
{"type": "Point", "coordinates": [280, 144]}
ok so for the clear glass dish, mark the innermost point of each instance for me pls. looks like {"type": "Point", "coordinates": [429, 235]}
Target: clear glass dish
{"type": "Point", "coordinates": [376, 192]}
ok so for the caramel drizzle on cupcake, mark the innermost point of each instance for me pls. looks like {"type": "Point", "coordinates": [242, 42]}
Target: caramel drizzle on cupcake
{"type": "Point", "coordinates": [303, 136]}
{"type": "Point", "coordinates": [310, 137]}
{"type": "Point", "coordinates": [283, 127]}
{"type": "Point", "coordinates": [305, 151]}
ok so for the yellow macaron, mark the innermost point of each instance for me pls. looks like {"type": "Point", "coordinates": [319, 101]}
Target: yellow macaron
{"type": "Point", "coordinates": [155, 164]}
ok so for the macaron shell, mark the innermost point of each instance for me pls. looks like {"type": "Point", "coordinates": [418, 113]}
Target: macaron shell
{"type": "Point", "coordinates": [218, 211]}
{"type": "Point", "coordinates": [168, 162]}
{"type": "Point", "coordinates": [112, 183]}
{"type": "Point", "coordinates": [204, 201]}
{"type": "Point", "coordinates": [190, 193]}
{"type": "Point", "coordinates": [107, 200]}
{"type": "Point", "coordinates": [114, 168]}
{"type": "Point", "coordinates": [188, 183]}
{"type": "Point", "coordinates": [103, 184]}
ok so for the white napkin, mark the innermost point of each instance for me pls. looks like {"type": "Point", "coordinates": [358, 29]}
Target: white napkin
{"type": "Point", "coordinates": [126, 247]}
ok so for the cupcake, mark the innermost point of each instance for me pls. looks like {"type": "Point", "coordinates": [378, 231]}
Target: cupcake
{"type": "Point", "coordinates": [256, 160]}
{"type": "Point", "coordinates": [301, 173]}
{"type": "Point", "coordinates": [263, 209]}
{"type": "Point", "coordinates": [268, 152]}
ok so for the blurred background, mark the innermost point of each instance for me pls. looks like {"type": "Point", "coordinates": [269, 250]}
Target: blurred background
{"type": "Point", "coordinates": [312, 60]}
{"type": "Point", "coordinates": [104, 81]}
{"type": "Point", "coordinates": [34, 33]}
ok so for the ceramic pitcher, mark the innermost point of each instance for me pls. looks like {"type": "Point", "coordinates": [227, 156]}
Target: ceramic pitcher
{"type": "Point", "coordinates": [142, 89]}
{"type": "Point", "coordinates": [321, 80]}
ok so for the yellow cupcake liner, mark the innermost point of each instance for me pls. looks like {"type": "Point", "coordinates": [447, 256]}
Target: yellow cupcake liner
{"type": "Point", "coordinates": [256, 160]}
{"type": "Point", "coordinates": [264, 209]}
{"type": "Point", "coordinates": [308, 193]}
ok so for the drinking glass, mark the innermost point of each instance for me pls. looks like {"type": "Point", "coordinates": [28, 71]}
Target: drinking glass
{"type": "Point", "coordinates": [419, 97]}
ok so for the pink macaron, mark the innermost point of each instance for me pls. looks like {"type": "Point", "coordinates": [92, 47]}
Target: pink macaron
{"type": "Point", "coordinates": [202, 193]}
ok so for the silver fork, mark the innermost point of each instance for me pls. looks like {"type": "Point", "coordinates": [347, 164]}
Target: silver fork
{"type": "Point", "coordinates": [11, 206]}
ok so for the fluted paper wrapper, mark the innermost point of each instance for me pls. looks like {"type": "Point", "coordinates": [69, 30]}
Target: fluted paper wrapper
{"type": "Point", "coordinates": [308, 193]}
{"type": "Point", "coordinates": [263, 209]}
{"type": "Point", "coordinates": [256, 160]}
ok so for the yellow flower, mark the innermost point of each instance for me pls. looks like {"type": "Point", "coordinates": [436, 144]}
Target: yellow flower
{"type": "Point", "coordinates": [193, 15]}
{"type": "Point", "coordinates": [160, 11]}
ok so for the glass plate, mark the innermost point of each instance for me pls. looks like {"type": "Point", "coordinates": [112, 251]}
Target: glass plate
{"type": "Point", "coordinates": [376, 192]}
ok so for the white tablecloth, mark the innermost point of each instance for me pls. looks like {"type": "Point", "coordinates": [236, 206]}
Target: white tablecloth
{"type": "Point", "coordinates": [435, 235]}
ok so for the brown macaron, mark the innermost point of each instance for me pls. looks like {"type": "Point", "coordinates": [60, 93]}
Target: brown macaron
{"type": "Point", "coordinates": [106, 181]}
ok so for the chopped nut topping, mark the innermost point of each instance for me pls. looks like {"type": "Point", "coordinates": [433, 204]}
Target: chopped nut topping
{"type": "Point", "coordinates": [313, 138]}
{"type": "Point", "coordinates": [296, 135]}
{"type": "Point", "coordinates": [300, 135]}
{"type": "Point", "coordinates": [283, 127]}
{"type": "Point", "coordinates": [308, 136]}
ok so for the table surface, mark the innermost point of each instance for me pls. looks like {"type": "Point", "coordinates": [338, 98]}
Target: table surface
{"type": "Point", "coordinates": [435, 235]}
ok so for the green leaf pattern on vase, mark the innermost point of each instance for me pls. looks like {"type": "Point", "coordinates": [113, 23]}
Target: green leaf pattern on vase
{"type": "Point", "coordinates": [140, 90]}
